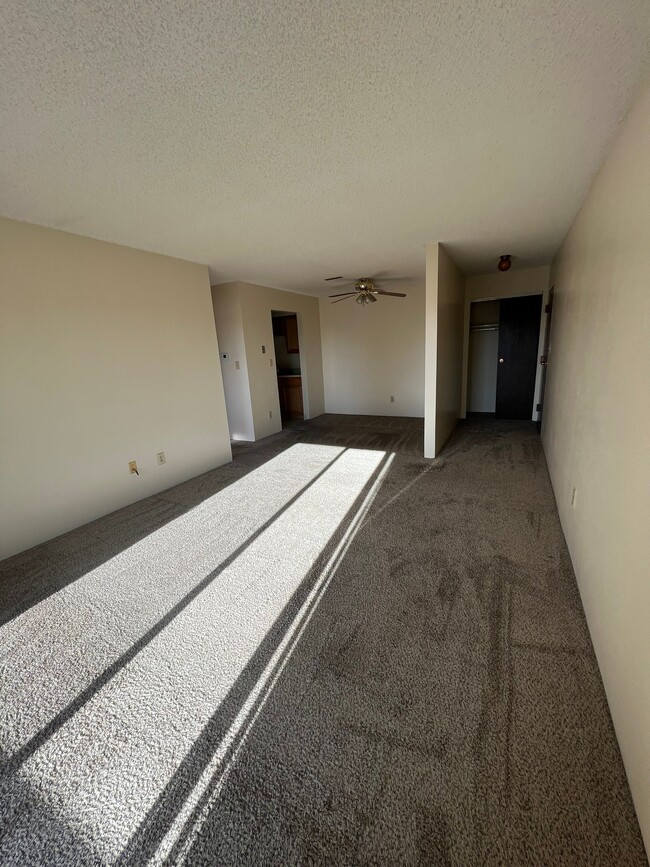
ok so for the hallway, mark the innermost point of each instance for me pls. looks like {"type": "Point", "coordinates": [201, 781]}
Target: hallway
{"type": "Point", "coordinates": [330, 651]}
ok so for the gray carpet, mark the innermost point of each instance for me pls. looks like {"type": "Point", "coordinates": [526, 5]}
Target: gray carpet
{"type": "Point", "coordinates": [330, 651]}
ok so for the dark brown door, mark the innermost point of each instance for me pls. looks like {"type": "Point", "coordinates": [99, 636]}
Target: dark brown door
{"type": "Point", "coordinates": [517, 365]}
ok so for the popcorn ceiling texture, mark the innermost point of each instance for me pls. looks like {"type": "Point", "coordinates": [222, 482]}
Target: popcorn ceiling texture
{"type": "Point", "coordinates": [435, 700]}
{"type": "Point", "coordinates": [283, 142]}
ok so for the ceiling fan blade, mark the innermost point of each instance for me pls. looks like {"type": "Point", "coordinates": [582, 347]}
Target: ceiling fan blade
{"type": "Point", "coordinates": [345, 297]}
{"type": "Point", "coordinates": [338, 295]}
{"type": "Point", "coordinates": [396, 294]}
{"type": "Point", "coordinates": [379, 279]}
{"type": "Point", "coordinates": [347, 279]}
{"type": "Point", "coordinates": [327, 279]}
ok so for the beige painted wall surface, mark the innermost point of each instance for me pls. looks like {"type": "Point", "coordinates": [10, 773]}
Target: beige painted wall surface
{"type": "Point", "coordinates": [451, 299]}
{"type": "Point", "coordinates": [430, 348]}
{"type": "Point", "coordinates": [230, 333]}
{"type": "Point", "coordinates": [523, 281]}
{"type": "Point", "coordinates": [526, 281]}
{"type": "Point", "coordinates": [373, 352]}
{"type": "Point", "coordinates": [260, 382]}
{"type": "Point", "coordinates": [596, 430]}
{"type": "Point", "coordinates": [445, 296]}
{"type": "Point", "coordinates": [107, 354]}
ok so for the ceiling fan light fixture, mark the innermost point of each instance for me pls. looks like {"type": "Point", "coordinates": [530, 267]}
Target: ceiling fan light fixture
{"type": "Point", "coordinates": [364, 291]}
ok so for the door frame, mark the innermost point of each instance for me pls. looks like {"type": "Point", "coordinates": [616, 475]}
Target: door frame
{"type": "Point", "coordinates": [304, 376]}
{"type": "Point", "coordinates": [498, 296]}
{"type": "Point", "coordinates": [546, 351]}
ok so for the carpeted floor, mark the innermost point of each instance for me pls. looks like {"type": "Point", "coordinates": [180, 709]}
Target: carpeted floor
{"type": "Point", "coordinates": [330, 651]}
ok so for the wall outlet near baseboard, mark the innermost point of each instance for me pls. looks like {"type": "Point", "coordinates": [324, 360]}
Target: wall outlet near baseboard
{"type": "Point", "coordinates": [270, 413]}
{"type": "Point", "coordinates": [160, 457]}
{"type": "Point", "coordinates": [392, 398]}
{"type": "Point", "coordinates": [574, 498]}
{"type": "Point", "coordinates": [133, 468]}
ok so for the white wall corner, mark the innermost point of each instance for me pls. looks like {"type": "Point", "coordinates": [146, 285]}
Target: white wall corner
{"type": "Point", "coordinates": [226, 303]}
{"type": "Point", "coordinates": [430, 348]}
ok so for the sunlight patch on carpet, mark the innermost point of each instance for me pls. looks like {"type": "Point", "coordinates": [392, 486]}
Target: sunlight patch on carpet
{"type": "Point", "coordinates": [102, 769]}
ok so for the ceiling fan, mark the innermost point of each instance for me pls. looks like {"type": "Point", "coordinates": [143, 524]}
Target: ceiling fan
{"type": "Point", "coordinates": [365, 289]}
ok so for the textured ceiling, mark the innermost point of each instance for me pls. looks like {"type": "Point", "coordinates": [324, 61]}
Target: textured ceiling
{"type": "Point", "coordinates": [282, 142]}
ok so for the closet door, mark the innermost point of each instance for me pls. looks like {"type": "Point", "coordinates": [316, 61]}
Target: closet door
{"type": "Point", "coordinates": [519, 320]}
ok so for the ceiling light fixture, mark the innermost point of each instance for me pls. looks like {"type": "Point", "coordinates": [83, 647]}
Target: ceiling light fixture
{"type": "Point", "coordinates": [504, 262]}
{"type": "Point", "coordinates": [365, 290]}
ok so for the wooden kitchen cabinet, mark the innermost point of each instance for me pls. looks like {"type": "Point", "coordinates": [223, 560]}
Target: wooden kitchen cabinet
{"type": "Point", "coordinates": [290, 393]}
{"type": "Point", "coordinates": [291, 333]}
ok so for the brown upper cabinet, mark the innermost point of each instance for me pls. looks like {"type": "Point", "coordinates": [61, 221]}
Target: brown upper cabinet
{"type": "Point", "coordinates": [291, 333]}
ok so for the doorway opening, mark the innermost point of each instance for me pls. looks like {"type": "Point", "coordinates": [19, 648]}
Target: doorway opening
{"type": "Point", "coordinates": [288, 367]}
{"type": "Point", "coordinates": [502, 359]}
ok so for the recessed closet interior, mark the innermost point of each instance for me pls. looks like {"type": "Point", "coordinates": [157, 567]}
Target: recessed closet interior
{"type": "Point", "coordinates": [483, 355]}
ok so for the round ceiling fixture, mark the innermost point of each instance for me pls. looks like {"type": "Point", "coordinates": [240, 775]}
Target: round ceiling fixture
{"type": "Point", "coordinates": [504, 262]}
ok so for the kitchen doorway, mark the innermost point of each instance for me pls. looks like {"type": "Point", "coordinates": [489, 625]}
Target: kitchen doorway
{"type": "Point", "coordinates": [288, 365]}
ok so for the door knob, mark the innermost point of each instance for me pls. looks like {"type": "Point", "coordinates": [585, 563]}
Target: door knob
{"type": "Point", "coordinates": [501, 361]}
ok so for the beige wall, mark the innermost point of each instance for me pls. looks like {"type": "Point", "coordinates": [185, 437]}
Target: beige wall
{"type": "Point", "coordinates": [596, 430]}
{"type": "Point", "coordinates": [445, 296]}
{"type": "Point", "coordinates": [258, 385]}
{"type": "Point", "coordinates": [430, 348]}
{"type": "Point", "coordinates": [451, 297]}
{"type": "Point", "coordinates": [226, 304]}
{"type": "Point", "coordinates": [107, 354]}
{"type": "Point", "coordinates": [524, 281]}
{"type": "Point", "coordinates": [373, 352]}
